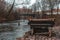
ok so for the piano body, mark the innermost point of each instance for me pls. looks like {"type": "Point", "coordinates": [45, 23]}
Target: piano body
{"type": "Point", "coordinates": [41, 26]}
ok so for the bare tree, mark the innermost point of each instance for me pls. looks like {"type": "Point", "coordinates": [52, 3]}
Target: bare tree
{"type": "Point", "coordinates": [52, 4]}
{"type": "Point", "coordinates": [2, 6]}
{"type": "Point", "coordinates": [49, 5]}
{"type": "Point", "coordinates": [9, 12]}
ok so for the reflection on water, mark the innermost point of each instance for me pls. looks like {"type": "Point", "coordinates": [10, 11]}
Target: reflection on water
{"type": "Point", "coordinates": [19, 30]}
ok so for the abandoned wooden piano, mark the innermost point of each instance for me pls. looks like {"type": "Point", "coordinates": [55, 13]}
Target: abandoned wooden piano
{"type": "Point", "coordinates": [41, 26]}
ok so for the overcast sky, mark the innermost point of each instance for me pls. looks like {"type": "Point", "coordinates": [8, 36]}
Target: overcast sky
{"type": "Point", "coordinates": [31, 2]}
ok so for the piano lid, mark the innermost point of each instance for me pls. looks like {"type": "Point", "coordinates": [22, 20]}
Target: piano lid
{"type": "Point", "coordinates": [47, 19]}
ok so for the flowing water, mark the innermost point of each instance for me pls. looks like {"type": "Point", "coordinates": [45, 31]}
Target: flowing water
{"type": "Point", "coordinates": [20, 27]}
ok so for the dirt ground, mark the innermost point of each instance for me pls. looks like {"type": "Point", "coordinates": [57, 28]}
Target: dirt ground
{"type": "Point", "coordinates": [39, 38]}
{"type": "Point", "coordinates": [55, 30]}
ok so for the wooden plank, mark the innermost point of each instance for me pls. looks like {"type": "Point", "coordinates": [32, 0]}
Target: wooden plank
{"type": "Point", "coordinates": [42, 33]}
{"type": "Point", "coordinates": [40, 24]}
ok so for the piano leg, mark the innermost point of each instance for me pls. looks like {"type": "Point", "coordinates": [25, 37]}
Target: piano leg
{"type": "Point", "coordinates": [50, 31]}
{"type": "Point", "coordinates": [32, 31]}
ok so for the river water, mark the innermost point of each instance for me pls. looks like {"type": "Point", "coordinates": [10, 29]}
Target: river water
{"type": "Point", "coordinates": [20, 27]}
